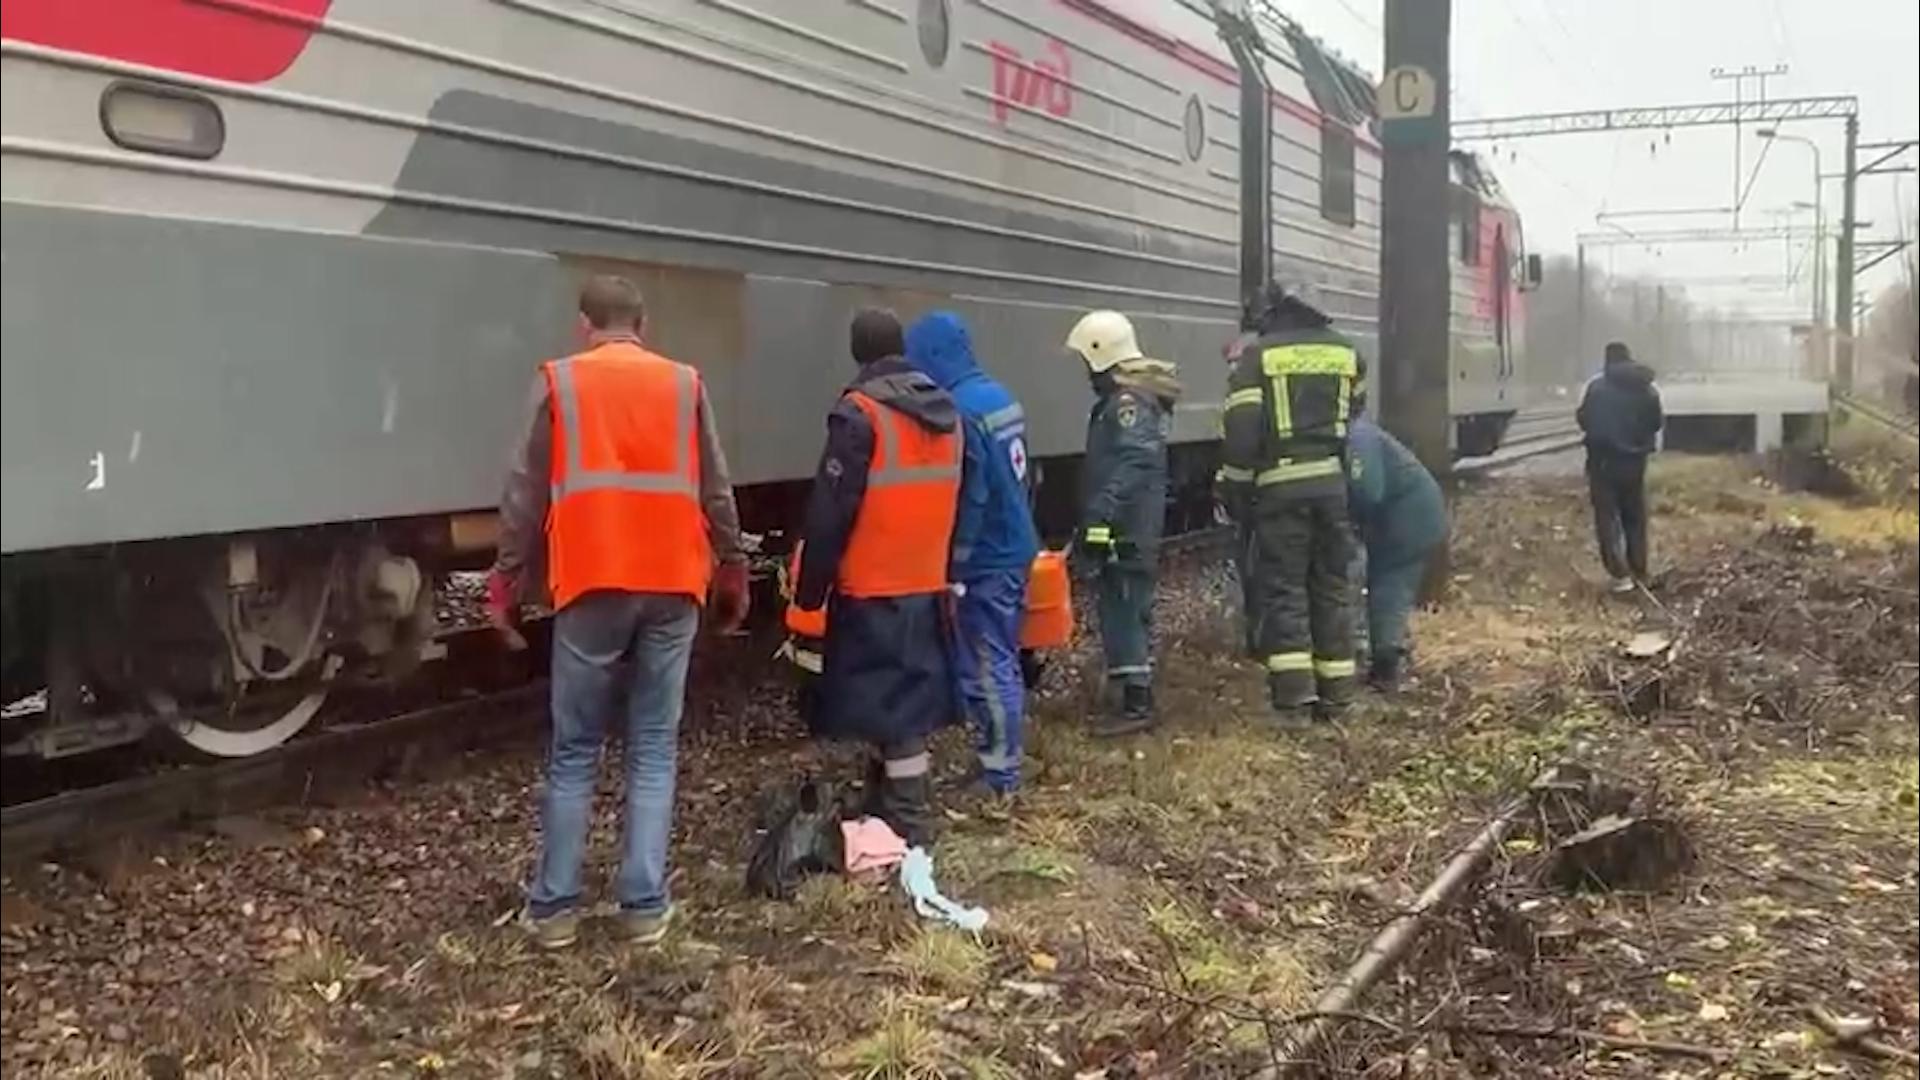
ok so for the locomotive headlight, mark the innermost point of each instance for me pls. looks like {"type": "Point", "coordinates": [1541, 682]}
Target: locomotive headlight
{"type": "Point", "coordinates": [162, 120]}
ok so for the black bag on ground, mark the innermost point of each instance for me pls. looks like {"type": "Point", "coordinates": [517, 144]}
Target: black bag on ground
{"type": "Point", "coordinates": [802, 837]}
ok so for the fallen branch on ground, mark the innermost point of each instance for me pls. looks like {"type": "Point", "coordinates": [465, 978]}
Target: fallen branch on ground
{"type": "Point", "coordinates": [1858, 1037]}
{"type": "Point", "coordinates": [1391, 944]}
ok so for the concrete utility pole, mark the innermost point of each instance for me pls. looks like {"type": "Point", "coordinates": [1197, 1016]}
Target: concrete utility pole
{"type": "Point", "coordinates": [1415, 278]}
{"type": "Point", "coordinates": [1414, 274]}
{"type": "Point", "coordinates": [1843, 264]}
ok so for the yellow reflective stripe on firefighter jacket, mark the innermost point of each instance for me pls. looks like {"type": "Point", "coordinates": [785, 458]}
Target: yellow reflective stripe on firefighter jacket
{"type": "Point", "coordinates": [1284, 422]}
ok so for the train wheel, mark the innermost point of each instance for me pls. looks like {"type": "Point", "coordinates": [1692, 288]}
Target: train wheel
{"type": "Point", "coordinates": [257, 722]}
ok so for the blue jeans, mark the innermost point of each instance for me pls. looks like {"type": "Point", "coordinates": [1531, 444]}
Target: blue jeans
{"type": "Point", "coordinates": [986, 666]}
{"type": "Point", "coordinates": [1125, 604]}
{"type": "Point", "coordinates": [1392, 591]}
{"type": "Point", "coordinates": [599, 640]}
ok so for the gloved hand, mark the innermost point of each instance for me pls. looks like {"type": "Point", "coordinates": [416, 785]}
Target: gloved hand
{"type": "Point", "coordinates": [1097, 543]}
{"type": "Point", "coordinates": [730, 597]}
{"type": "Point", "coordinates": [503, 610]}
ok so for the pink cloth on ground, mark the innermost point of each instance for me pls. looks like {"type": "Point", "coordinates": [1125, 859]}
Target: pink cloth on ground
{"type": "Point", "coordinates": [871, 845]}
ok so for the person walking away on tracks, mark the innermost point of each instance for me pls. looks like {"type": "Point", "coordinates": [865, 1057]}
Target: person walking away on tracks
{"type": "Point", "coordinates": [1125, 506]}
{"type": "Point", "coordinates": [1620, 416]}
{"type": "Point", "coordinates": [622, 471]}
{"type": "Point", "coordinates": [876, 542]}
{"type": "Point", "coordinates": [1289, 404]}
{"type": "Point", "coordinates": [994, 545]}
{"type": "Point", "coordinates": [1401, 516]}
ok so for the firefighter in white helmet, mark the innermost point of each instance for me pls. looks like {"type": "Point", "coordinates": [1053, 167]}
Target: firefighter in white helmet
{"type": "Point", "coordinates": [1125, 493]}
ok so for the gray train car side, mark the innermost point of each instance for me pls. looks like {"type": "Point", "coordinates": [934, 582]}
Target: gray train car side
{"type": "Point", "coordinates": [277, 276]}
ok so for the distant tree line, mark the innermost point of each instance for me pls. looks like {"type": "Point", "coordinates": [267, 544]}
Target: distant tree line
{"type": "Point", "coordinates": [1664, 327]}
{"type": "Point", "coordinates": [1890, 346]}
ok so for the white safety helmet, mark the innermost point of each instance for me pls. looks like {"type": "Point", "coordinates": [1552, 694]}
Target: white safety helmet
{"type": "Point", "coordinates": [1103, 339]}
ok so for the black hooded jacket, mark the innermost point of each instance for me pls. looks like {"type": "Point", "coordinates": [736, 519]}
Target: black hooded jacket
{"type": "Point", "coordinates": [841, 482]}
{"type": "Point", "coordinates": [1620, 412]}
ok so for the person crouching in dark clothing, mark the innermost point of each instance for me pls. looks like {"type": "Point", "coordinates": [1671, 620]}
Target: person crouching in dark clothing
{"type": "Point", "coordinates": [878, 531]}
{"type": "Point", "coordinates": [1621, 418]}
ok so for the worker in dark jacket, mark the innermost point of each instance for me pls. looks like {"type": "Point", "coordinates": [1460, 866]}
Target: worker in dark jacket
{"type": "Point", "coordinates": [1246, 547]}
{"type": "Point", "coordinates": [879, 526]}
{"type": "Point", "coordinates": [993, 548]}
{"type": "Point", "coordinates": [1401, 516]}
{"type": "Point", "coordinates": [1125, 508]}
{"type": "Point", "coordinates": [1289, 402]}
{"type": "Point", "coordinates": [1621, 417]}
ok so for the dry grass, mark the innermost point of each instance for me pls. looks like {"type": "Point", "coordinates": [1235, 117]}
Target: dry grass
{"type": "Point", "coordinates": [903, 1047]}
{"type": "Point", "coordinates": [942, 960]}
{"type": "Point", "coordinates": [1152, 898]}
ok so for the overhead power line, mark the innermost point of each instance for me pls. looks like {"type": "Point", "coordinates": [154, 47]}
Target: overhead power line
{"type": "Point", "coordinates": [1692, 236]}
{"type": "Point", "coordinates": [1658, 116]}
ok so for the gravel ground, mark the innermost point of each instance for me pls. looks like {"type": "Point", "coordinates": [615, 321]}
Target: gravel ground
{"type": "Point", "coordinates": [1161, 906]}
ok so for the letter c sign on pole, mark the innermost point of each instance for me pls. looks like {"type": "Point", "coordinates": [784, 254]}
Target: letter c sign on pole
{"type": "Point", "coordinates": [1406, 93]}
{"type": "Point", "coordinates": [1406, 100]}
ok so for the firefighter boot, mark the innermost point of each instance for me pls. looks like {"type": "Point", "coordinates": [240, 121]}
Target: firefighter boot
{"type": "Point", "coordinates": [1334, 698]}
{"type": "Point", "coordinates": [1292, 698]}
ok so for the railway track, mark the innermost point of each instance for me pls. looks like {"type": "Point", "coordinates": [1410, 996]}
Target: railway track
{"type": "Point", "coordinates": [341, 755]}
{"type": "Point", "coordinates": [347, 753]}
{"type": "Point", "coordinates": [1533, 433]}
{"type": "Point", "coordinates": [1902, 425]}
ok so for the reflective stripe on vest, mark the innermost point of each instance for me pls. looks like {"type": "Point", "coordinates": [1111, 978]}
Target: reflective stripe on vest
{"type": "Point", "coordinates": [1007, 421]}
{"type": "Point", "coordinates": [1287, 471]}
{"type": "Point", "coordinates": [890, 471]}
{"type": "Point", "coordinates": [625, 476]}
{"type": "Point", "coordinates": [904, 528]}
{"type": "Point", "coordinates": [1281, 363]}
{"type": "Point", "coordinates": [676, 479]}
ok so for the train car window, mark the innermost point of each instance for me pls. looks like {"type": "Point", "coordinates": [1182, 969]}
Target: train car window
{"type": "Point", "coordinates": [1502, 287]}
{"type": "Point", "coordinates": [1194, 127]}
{"type": "Point", "coordinates": [1336, 172]}
{"type": "Point", "coordinates": [1466, 221]}
{"type": "Point", "coordinates": [162, 120]}
{"type": "Point", "coordinates": [935, 26]}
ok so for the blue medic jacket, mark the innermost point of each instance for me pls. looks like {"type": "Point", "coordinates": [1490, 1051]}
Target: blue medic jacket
{"type": "Point", "coordinates": [1393, 500]}
{"type": "Point", "coordinates": [995, 529]}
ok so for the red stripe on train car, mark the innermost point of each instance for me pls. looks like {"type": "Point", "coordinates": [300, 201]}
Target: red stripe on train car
{"type": "Point", "coordinates": [239, 42]}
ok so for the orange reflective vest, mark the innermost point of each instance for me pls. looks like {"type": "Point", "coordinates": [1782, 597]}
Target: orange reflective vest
{"type": "Point", "coordinates": [904, 527]}
{"type": "Point", "coordinates": [801, 623]}
{"type": "Point", "coordinates": [625, 474]}
{"type": "Point", "coordinates": [1047, 622]}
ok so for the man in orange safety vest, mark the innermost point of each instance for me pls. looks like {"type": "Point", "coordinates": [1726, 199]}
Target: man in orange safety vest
{"type": "Point", "coordinates": [621, 485]}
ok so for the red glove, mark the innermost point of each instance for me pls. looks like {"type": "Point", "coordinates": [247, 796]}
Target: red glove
{"type": "Point", "coordinates": [730, 600]}
{"type": "Point", "coordinates": [503, 610]}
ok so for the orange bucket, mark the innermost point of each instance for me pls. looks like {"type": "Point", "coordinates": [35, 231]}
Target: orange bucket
{"type": "Point", "coordinates": [1049, 619]}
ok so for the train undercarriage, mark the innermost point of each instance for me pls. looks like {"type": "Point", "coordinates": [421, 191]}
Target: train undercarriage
{"type": "Point", "coordinates": [232, 644]}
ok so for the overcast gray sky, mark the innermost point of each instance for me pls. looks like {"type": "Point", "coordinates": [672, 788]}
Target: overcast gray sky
{"type": "Point", "coordinates": [1526, 56]}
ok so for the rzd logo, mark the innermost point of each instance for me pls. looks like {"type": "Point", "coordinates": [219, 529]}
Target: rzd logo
{"type": "Point", "coordinates": [1036, 84]}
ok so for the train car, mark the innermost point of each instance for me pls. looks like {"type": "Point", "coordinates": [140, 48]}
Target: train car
{"type": "Point", "coordinates": [278, 274]}
{"type": "Point", "coordinates": [1491, 274]}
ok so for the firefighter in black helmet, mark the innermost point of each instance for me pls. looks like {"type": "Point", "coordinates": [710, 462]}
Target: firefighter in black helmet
{"type": "Point", "coordinates": [1289, 400]}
